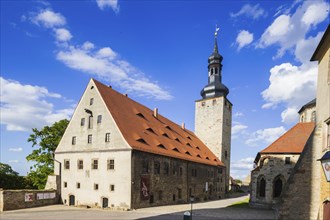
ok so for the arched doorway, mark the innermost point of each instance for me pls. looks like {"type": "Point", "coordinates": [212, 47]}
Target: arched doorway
{"type": "Point", "coordinates": [105, 202]}
{"type": "Point", "coordinates": [277, 186]}
{"type": "Point", "coordinates": [71, 200]}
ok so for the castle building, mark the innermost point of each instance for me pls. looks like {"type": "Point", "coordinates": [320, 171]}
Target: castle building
{"type": "Point", "coordinates": [274, 164]}
{"type": "Point", "coordinates": [118, 153]}
{"type": "Point", "coordinates": [307, 193]}
{"type": "Point", "coordinates": [213, 113]}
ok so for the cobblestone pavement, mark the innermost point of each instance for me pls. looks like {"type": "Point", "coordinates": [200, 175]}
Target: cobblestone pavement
{"type": "Point", "coordinates": [208, 210]}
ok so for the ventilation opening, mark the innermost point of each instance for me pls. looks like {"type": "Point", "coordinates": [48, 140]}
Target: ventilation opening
{"type": "Point", "coordinates": [161, 146]}
{"type": "Point", "coordinates": [141, 140]}
{"type": "Point", "coordinates": [189, 137]}
{"type": "Point", "coordinates": [198, 148]}
{"type": "Point", "coordinates": [165, 135]}
{"type": "Point", "coordinates": [92, 87]}
{"type": "Point", "coordinates": [168, 127]}
{"type": "Point", "coordinates": [188, 153]}
{"type": "Point", "coordinates": [177, 139]}
{"type": "Point", "coordinates": [207, 158]}
{"type": "Point", "coordinates": [176, 149]}
{"type": "Point", "coordinates": [150, 129]}
{"type": "Point", "coordinates": [188, 144]}
{"type": "Point", "coordinates": [215, 160]}
{"type": "Point", "coordinates": [199, 156]}
{"type": "Point", "coordinates": [140, 115]}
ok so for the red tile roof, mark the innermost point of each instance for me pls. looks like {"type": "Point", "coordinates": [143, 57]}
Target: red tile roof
{"type": "Point", "coordinates": [156, 135]}
{"type": "Point", "coordinates": [293, 141]}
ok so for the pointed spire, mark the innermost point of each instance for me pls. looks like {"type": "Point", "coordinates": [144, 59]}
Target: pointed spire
{"type": "Point", "coordinates": [215, 49]}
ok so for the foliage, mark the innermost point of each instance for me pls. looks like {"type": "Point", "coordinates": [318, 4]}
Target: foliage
{"type": "Point", "coordinates": [238, 181]}
{"type": "Point", "coordinates": [241, 204]}
{"type": "Point", "coordinates": [9, 179]}
{"type": "Point", "coordinates": [46, 141]}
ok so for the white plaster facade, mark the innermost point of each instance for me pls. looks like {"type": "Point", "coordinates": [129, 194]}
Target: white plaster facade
{"type": "Point", "coordinates": [115, 149]}
{"type": "Point", "coordinates": [213, 127]}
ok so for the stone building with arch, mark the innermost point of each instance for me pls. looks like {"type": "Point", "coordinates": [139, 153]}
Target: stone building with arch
{"type": "Point", "coordinates": [274, 164]}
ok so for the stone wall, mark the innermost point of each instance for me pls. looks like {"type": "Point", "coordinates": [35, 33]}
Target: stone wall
{"type": "Point", "coordinates": [270, 166]}
{"type": "Point", "coordinates": [21, 199]}
{"type": "Point", "coordinates": [178, 185]}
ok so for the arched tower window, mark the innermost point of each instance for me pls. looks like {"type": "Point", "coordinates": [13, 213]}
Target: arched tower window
{"type": "Point", "coordinates": [211, 71]}
{"type": "Point", "coordinates": [277, 186]}
{"type": "Point", "coordinates": [216, 71]}
{"type": "Point", "coordinates": [261, 187]}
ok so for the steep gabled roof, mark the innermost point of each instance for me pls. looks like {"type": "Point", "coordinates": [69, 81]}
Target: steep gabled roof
{"type": "Point", "coordinates": [156, 135]}
{"type": "Point", "coordinates": [308, 105]}
{"type": "Point", "coordinates": [291, 142]}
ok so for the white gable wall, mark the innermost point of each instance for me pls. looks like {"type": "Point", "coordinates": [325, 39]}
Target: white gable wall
{"type": "Point", "coordinates": [116, 149]}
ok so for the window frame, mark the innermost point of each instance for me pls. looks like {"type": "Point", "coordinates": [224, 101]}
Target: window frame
{"type": "Point", "coordinates": [74, 140]}
{"type": "Point", "coordinates": [111, 166]}
{"type": "Point", "coordinates": [99, 119]}
{"type": "Point", "coordinates": [80, 166]}
{"type": "Point", "coordinates": [67, 164]}
{"type": "Point", "coordinates": [95, 166]}
{"type": "Point", "coordinates": [107, 137]}
{"type": "Point", "coordinates": [90, 139]}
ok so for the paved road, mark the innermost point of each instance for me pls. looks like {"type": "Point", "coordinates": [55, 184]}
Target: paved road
{"type": "Point", "coordinates": [207, 210]}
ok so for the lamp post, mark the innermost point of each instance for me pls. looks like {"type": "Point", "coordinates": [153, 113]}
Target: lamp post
{"type": "Point", "coordinates": [325, 161]}
{"type": "Point", "coordinates": [192, 198]}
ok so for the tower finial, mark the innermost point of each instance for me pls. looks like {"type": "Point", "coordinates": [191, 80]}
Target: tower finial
{"type": "Point", "coordinates": [216, 31]}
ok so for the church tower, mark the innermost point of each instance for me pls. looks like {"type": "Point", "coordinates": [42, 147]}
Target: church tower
{"type": "Point", "coordinates": [213, 112]}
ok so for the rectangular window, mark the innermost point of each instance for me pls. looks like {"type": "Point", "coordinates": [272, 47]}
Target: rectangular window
{"type": "Point", "coordinates": [82, 122]}
{"type": "Point", "coordinates": [166, 168]}
{"type": "Point", "coordinates": [107, 137]}
{"type": "Point", "coordinates": [91, 101]}
{"type": "Point", "coordinates": [96, 186]}
{"type": "Point", "coordinates": [80, 164]}
{"type": "Point", "coordinates": [180, 171]}
{"type": "Point", "coordinates": [95, 164]}
{"type": "Point", "coordinates": [287, 160]}
{"type": "Point", "coordinates": [99, 119]}
{"type": "Point", "coordinates": [179, 193]}
{"type": "Point", "coordinates": [66, 164]}
{"type": "Point", "coordinates": [111, 164]}
{"type": "Point", "coordinates": [160, 195]}
{"type": "Point", "coordinates": [156, 167]}
{"type": "Point", "coordinates": [65, 184]}
{"type": "Point", "coordinates": [90, 122]}
{"type": "Point", "coordinates": [78, 185]}
{"type": "Point", "coordinates": [194, 172]}
{"type": "Point", "coordinates": [74, 139]}
{"type": "Point", "coordinates": [112, 188]}
{"type": "Point", "coordinates": [90, 138]}
{"type": "Point", "coordinates": [145, 166]}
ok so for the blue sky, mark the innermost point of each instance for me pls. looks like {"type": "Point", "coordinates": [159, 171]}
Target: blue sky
{"type": "Point", "coordinates": [156, 51]}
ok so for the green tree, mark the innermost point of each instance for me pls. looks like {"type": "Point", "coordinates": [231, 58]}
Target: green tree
{"type": "Point", "coordinates": [9, 179]}
{"type": "Point", "coordinates": [46, 141]}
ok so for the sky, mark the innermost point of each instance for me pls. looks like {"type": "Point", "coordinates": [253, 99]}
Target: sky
{"type": "Point", "coordinates": [156, 51]}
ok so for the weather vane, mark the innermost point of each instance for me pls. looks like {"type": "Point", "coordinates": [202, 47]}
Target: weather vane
{"type": "Point", "coordinates": [216, 30]}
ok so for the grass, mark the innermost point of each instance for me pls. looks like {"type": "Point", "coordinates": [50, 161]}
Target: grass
{"type": "Point", "coordinates": [241, 204]}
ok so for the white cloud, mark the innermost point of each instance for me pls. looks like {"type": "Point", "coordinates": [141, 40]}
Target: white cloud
{"type": "Point", "coordinates": [13, 161]}
{"type": "Point", "coordinates": [238, 128]}
{"type": "Point", "coordinates": [288, 29]}
{"type": "Point", "coordinates": [103, 63]}
{"type": "Point", "coordinates": [106, 52]}
{"type": "Point", "coordinates": [62, 34]}
{"type": "Point", "coordinates": [265, 136]}
{"type": "Point", "coordinates": [250, 11]}
{"type": "Point", "coordinates": [18, 149]}
{"type": "Point", "coordinates": [49, 19]}
{"type": "Point", "coordinates": [25, 106]}
{"type": "Point", "coordinates": [243, 39]}
{"type": "Point", "coordinates": [113, 4]}
{"type": "Point", "coordinates": [243, 164]}
{"type": "Point", "coordinates": [315, 14]}
{"type": "Point", "coordinates": [238, 114]}
{"type": "Point", "coordinates": [290, 115]}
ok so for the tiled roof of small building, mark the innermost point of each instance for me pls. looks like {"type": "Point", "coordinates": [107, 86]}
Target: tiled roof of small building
{"type": "Point", "coordinates": [156, 135]}
{"type": "Point", "coordinates": [293, 141]}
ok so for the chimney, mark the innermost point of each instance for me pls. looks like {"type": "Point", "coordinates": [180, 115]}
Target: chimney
{"type": "Point", "coordinates": [126, 94]}
{"type": "Point", "coordinates": [183, 125]}
{"type": "Point", "coordinates": [155, 112]}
